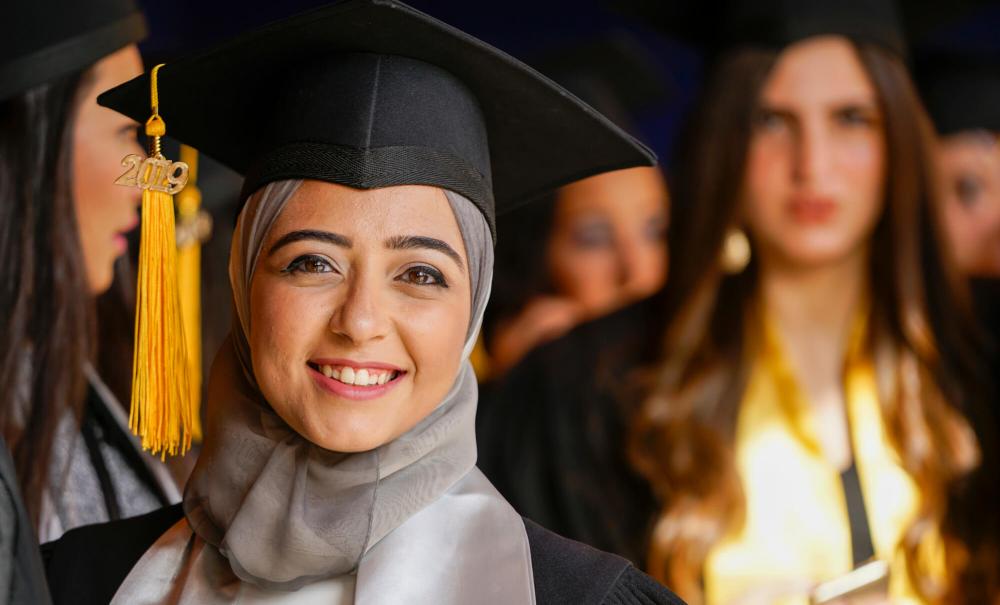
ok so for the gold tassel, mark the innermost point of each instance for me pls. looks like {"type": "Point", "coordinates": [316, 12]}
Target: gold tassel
{"type": "Point", "coordinates": [162, 411]}
{"type": "Point", "coordinates": [195, 227]}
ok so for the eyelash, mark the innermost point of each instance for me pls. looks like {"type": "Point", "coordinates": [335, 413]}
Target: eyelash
{"type": "Point", "coordinates": [855, 117]}
{"type": "Point", "coordinates": [437, 276]}
{"type": "Point", "coordinates": [300, 264]}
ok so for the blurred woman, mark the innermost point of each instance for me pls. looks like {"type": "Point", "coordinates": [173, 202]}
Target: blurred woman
{"type": "Point", "coordinates": [818, 381]}
{"type": "Point", "coordinates": [812, 411]}
{"type": "Point", "coordinates": [596, 244]}
{"type": "Point", "coordinates": [962, 93]}
{"type": "Point", "coordinates": [593, 247]}
{"type": "Point", "coordinates": [62, 228]}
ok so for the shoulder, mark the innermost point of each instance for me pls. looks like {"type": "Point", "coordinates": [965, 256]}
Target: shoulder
{"type": "Point", "coordinates": [570, 572]}
{"type": "Point", "coordinates": [91, 562]}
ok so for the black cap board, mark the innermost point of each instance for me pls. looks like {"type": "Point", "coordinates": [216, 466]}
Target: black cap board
{"type": "Point", "coordinates": [41, 40]}
{"type": "Point", "coordinates": [373, 93]}
{"type": "Point", "coordinates": [717, 26]}
{"type": "Point", "coordinates": [960, 89]}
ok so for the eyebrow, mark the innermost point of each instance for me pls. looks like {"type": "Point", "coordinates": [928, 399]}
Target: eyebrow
{"type": "Point", "coordinates": [309, 234]}
{"type": "Point", "coordinates": [398, 242]}
{"type": "Point", "coordinates": [408, 242]}
{"type": "Point", "coordinates": [838, 105]}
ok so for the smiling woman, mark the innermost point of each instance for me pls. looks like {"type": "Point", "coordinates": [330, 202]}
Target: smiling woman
{"type": "Point", "coordinates": [364, 296]}
{"type": "Point", "coordinates": [339, 455]}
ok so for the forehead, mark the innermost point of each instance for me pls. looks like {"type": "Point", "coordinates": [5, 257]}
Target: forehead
{"type": "Point", "coordinates": [618, 192]}
{"type": "Point", "coordinates": [370, 214]}
{"type": "Point", "coordinates": [820, 71]}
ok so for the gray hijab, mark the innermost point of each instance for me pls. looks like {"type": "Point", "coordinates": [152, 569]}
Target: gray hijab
{"type": "Point", "coordinates": [285, 512]}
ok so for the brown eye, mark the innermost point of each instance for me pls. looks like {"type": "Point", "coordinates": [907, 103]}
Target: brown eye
{"type": "Point", "coordinates": [423, 276]}
{"type": "Point", "coordinates": [309, 264]}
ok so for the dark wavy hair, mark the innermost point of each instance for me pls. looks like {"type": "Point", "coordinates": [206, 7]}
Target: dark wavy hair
{"type": "Point", "coordinates": [46, 310]}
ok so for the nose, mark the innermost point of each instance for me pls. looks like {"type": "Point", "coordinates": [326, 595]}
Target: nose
{"type": "Point", "coordinates": [362, 316]}
{"type": "Point", "coordinates": [812, 153]}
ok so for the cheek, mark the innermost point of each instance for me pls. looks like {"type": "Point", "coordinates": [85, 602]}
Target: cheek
{"type": "Point", "coordinates": [862, 169]}
{"type": "Point", "coordinates": [765, 183]}
{"type": "Point", "coordinates": [434, 333]}
{"type": "Point", "coordinates": [283, 324]}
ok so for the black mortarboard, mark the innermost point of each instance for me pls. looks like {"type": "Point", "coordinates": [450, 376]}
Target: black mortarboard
{"type": "Point", "coordinates": [721, 25]}
{"type": "Point", "coordinates": [372, 93]}
{"type": "Point", "coordinates": [41, 40]}
{"type": "Point", "coordinates": [961, 90]}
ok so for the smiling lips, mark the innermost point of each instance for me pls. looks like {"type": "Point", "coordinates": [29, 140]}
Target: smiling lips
{"type": "Point", "coordinates": [355, 381]}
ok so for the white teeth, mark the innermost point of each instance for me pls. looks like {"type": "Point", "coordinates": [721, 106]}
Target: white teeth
{"type": "Point", "coordinates": [359, 377]}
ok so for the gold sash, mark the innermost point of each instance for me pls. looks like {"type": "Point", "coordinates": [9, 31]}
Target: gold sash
{"type": "Point", "coordinates": [797, 531]}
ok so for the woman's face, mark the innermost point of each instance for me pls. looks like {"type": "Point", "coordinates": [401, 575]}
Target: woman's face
{"type": "Point", "coordinates": [359, 308]}
{"type": "Point", "coordinates": [970, 169]}
{"type": "Point", "coordinates": [814, 184]}
{"type": "Point", "coordinates": [105, 212]}
{"type": "Point", "coordinates": [608, 245]}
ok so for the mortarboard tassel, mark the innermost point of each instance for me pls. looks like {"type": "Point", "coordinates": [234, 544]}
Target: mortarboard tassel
{"type": "Point", "coordinates": [162, 412]}
{"type": "Point", "coordinates": [194, 227]}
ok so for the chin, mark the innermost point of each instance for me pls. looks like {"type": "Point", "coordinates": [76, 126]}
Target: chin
{"type": "Point", "coordinates": [349, 437]}
{"type": "Point", "coordinates": [100, 284]}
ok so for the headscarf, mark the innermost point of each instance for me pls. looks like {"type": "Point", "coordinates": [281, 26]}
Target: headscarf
{"type": "Point", "coordinates": [283, 510]}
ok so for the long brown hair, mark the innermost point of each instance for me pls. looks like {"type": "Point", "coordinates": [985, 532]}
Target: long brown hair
{"type": "Point", "coordinates": [45, 306]}
{"type": "Point", "coordinates": [923, 340]}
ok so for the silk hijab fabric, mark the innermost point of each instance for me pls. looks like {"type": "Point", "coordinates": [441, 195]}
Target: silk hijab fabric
{"type": "Point", "coordinates": [268, 512]}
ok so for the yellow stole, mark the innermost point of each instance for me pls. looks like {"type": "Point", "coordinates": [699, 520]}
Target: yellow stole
{"type": "Point", "coordinates": [797, 531]}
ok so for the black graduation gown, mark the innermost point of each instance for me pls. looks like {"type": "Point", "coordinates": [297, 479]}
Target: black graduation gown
{"type": "Point", "coordinates": [552, 432]}
{"type": "Point", "coordinates": [22, 581]}
{"type": "Point", "coordinates": [566, 572]}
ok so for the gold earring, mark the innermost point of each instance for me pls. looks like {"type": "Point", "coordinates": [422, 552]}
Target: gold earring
{"type": "Point", "coordinates": [735, 254]}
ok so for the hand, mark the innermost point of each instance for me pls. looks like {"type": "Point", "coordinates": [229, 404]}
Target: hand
{"type": "Point", "coordinates": [543, 319]}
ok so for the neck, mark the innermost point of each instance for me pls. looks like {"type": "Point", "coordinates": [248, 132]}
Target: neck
{"type": "Point", "coordinates": [815, 303]}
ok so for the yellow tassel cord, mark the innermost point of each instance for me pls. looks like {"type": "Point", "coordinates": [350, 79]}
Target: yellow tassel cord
{"type": "Point", "coordinates": [162, 412]}
{"type": "Point", "coordinates": [190, 234]}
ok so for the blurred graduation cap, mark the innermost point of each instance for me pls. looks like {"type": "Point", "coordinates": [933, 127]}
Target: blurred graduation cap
{"type": "Point", "coordinates": [960, 89]}
{"type": "Point", "coordinates": [613, 73]}
{"type": "Point", "coordinates": [717, 26]}
{"type": "Point", "coordinates": [41, 40]}
{"type": "Point", "coordinates": [957, 75]}
{"type": "Point", "coordinates": [373, 93]}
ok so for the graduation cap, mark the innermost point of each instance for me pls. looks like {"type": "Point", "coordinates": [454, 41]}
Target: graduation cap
{"type": "Point", "coordinates": [960, 89]}
{"type": "Point", "coordinates": [364, 93]}
{"type": "Point", "coordinates": [373, 93]}
{"type": "Point", "coordinates": [41, 40]}
{"type": "Point", "coordinates": [718, 26]}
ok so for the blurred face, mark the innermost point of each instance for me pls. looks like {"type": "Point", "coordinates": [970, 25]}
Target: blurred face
{"type": "Point", "coordinates": [105, 212]}
{"type": "Point", "coordinates": [970, 169]}
{"type": "Point", "coordinates": [814, 182]}
{"type": "Point", "coordinates": [608, 244]}
{"type": "Point", "coordinates": [359, 308]}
